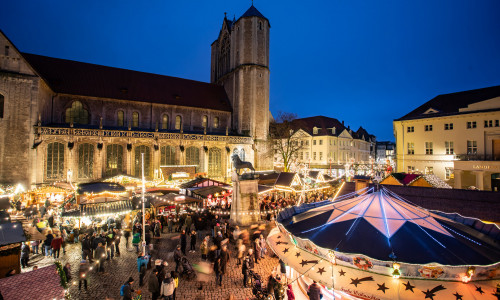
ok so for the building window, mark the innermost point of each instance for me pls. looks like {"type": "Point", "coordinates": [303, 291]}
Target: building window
{"type": "Point", "coordinates": [321, 142]}
{"type": "Point", "coordinates": [314, 155]}
{"type": "Point", "coordinates": [428, 148]}
{"type": "Point", "coordinates": [164, 121]}
{"type": "Point", "coordinates": [471, 147]}
{"type": "Point", "coordinates": [138, 161]}
{"type": "Point", "coordinates": [448, 173]}
{"type": "Point", "coordinates": [489, 123]}
{"type": "Point", "coordinates": [448, 147]}
{"type": "Point", "coordinates": [76, 114]}
{"type": "Point", "coordinates": [448, 126]}
{"type": "Point", "coordinates": [321, 156]}
{"type": "Point", "coordinates": [471, 125]}
{"type": "Point", "coordinates": [135, 119]}
{"type": "Point", "coordinates": [411, 169]}
{"type": "Point", "coordinates": [2, 104]}
{"type": "Point", "coordinates": [204, 122]}
{"type": "Point", "coordinates": [216, 122]}
{"type": "Point", "coordinates": [301, 155]}
{"type": "Point", "coordinates": [410, 129]}
{"type": "Point", "coordinates": [178, 122]}
{"type": "Point", "coordinates": [6, 50]}
{"type": "Point", "coordinates": [307, 143]}
{"type": "Point", "coordinates": [307, 155]}
{"type": "Point", "coordinates": [411, 148]}
{"type": "Point", "coordinates": [193, 156]}
{"type": "Point", "coordinates": [55, 161]}
{"type": "Point", "coordinates": [314, 142]}
{"type": "Point", "coordinates": [429, 170]}
{"type": "Point", "coordinates": [114, 159]}
{"type": "Point", "coordinates": [315, 130]}
{"type": "Point", "coordinates": [85, 161]}
{"type": "Point", "coordinates": [167, 154]}
{"type": "Point", "coordinates": [497, 123]}
{"type": "Point", "coordinates": [214, 162]}
{"type": "Point", "coordinates": [120, 118]}
{"type": "Point", "coordinates": [428, 127]}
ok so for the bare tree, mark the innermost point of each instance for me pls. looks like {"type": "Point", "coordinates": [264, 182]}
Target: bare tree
{"type": "Point", "coordinates": [285, 141]}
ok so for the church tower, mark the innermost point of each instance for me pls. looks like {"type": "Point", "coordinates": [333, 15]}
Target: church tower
{"type": "Point", "coordinates": [240, 62]}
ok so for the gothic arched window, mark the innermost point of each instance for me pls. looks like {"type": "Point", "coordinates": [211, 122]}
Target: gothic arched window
{"type": "Point", "coordinates": [76, 114]}
{"type": "Point", "coordinates": [214, 162]}
{"type": "Point", "coordinates": [120, 118]}
{"type": "Point", "coordinates": [138, 161]}
{"type": "Point", "coordinates": [178, 123]}
{"type": "Point", "coordinates": [85, 160]}
{"type": "Point", "coordinates": [114, 159]}
{"type": "Point", "coordinates": [167, 154]}
{"type": "Point", "coordinates": [216, 122]}
{"type": "Point", "coordinates": [135, 119]}
{"type": "Point", "coordinates": [193, 156]}
{"type": "Point", "coordinates": [55, 161]}
{"type": "Point", "coordinates": [204, 122]}
{"type": "Point", "coordinates": [164, 121]}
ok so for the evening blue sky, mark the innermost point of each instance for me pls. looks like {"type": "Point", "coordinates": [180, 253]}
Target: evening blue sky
{"type": "Point", "coordinates": [365, 62]}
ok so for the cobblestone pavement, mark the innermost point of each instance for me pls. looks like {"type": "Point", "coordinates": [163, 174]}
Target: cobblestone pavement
{"type": "Point", "coordinates": [119, 269]}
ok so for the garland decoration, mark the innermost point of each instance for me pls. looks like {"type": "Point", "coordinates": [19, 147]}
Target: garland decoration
{"type": "Point", "coordinates": [62, 275]}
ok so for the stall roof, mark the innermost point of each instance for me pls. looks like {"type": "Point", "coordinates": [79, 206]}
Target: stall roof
{"type": "Point", "coordinates": [35, 234]}
{"type": "Point", "coordinates": [209, 190]}
{"type": "Point", "coordinates": [100, 187]}
{"type": "Point", "coordinates": [4, 202]}
{"type": "Point", "coordinates": [93, 209]}
{"type": "Point", "coordinates": [169, 199]}
{"type": "Point", "coordinates": [28, 285]}
{"type": "Point", "coordinates": [288, 179]}
{"type": "Point", "coordinates": [268, 179]}
{"type": "Point", "coordinates": [11, 233]}
{"type": "Point", "coordinates": [201, 182]}
{"type": "Point", "coordinates": [264, 188]}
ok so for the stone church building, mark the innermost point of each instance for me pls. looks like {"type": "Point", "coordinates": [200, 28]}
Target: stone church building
{"type": "Point", "coordinates": [68, 120]}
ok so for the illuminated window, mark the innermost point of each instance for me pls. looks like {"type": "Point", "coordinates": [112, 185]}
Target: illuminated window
{"type": "Point", "coordinates": [193, 156]}
{"type": "Point", "coordinates": [178, 122]}
{"type": "Point", "coordinates": [214, 162]}
{"type": "Point", "coordinates": [315, 130]}
{"type": "Point", "coordinates": [120, 118]}
{"type": "Point", "coordinates": [204, 122]}
{"type": "Point", "coordinates": [448, 147]}
{"type": "Point", "coordinates": [138, 161]}
{"type": "Point", "coordinates": [114, 159]}
{"type": "Point", "coordinates": [76, 114]}
{"type": "Point", "coordinates": [428, 148]}
{"type": "Point", "coordinates": [135, 119]}
{"type": "Point", "coordinates": [164, 121]}
{"type": "Point", "coordinates": [55, 161]}
{"type": "Point", "coordinates": [216, 122]}
{"type": "Point", "coordinates": [85, 160]}
{"type": "Point", "coordinates": [411, 169]}
{"type": "Point", "coordinates": [411, 148]}
{"type": "Point", "coordinates": [167, 154]}
{"type": "Point", "coordinates": [471, 147]}
{"type": "Point", "coordinates": [448, 173]}
{"type": "Point", "coordinates": [429, 170]}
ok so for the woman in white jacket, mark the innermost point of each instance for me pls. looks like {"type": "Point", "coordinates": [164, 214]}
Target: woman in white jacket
{"type": "Point", "coordinates": [167, 288]}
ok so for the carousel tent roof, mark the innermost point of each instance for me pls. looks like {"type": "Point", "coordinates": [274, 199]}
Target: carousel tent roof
{"type": "Point", "coordinates": [383, 226]}
{"type": "Point", "coordinates": [99, 187]}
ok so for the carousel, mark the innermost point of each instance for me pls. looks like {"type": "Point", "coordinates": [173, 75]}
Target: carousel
{"type": "Point", "coordinates": [379, 246]}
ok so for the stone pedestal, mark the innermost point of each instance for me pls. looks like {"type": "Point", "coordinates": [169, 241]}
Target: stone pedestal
{"type": "Point", "coordinates": [245, 205]}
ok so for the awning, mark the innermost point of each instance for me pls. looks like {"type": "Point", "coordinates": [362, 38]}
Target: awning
{"type": "Point", "coordinates": [100, 187]}
{"type": "Point", "coordinates": [173, 199]}
{"type": "Point", "coordinates": [96, 209]}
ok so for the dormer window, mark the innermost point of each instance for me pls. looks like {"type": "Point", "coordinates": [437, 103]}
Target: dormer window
{"type": "Point", "coordinates": [315, 130]}
{"type": "Point", "coordinates": [334, 130]}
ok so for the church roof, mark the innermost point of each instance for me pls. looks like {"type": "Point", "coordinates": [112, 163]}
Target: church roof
{"type": "Point", "coordinates": [450, 104]}
{"type": "Point", "coordinates": [253, 12]}
{"type": "Point", "coordinates": [85, 79]}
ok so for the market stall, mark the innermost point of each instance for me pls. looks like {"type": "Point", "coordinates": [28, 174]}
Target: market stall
{"type": "Point", "coordinates": [168, 203]}
{"type": "Point", "coordinates": [378, 246]}
{"type": "Point", "coordinates": [55, 195]}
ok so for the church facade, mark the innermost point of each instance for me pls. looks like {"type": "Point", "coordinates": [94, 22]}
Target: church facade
{"type": "Point", "coordinates": [63, 120]}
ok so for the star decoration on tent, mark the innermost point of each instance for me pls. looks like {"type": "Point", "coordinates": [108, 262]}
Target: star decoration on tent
{"type": "Point", "coordinates": [285, 250]}
{"type": "Point", "coordinates": [279, 237]}
{"type": "Point", "coordinates": [280, 242]}
{"type": "Point", "coordinates": [479, 289]}
{"type": "Point", "coordinates": [457, 296]}
{"type": "Point", "coordinates": [321, 271]}
{"type": "Point", "coordinates": [305, 262]}
{"type": "Point", "coordinates": [408, 286]}
{"type": "Point", "coordinates": [342, 272]}
{"type": "Point", "coordinates": [431, 293]}
{"type": "Point", "coordinates": [360, 280]}
{"type": "Point", "coordinates": [381, 287]}
{"type": "Point", "coordinates": [297, 254]}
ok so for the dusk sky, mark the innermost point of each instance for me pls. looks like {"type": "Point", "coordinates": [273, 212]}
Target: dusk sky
{"type": "Point", "coordinates": [365, 62]}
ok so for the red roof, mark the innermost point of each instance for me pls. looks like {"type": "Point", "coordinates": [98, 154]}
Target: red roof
{"type": "Point", "coordinates": [84, 79]}
{"type": "Point", "coordinates": [40, 284]}
{"type": "Point", "coordinates": [409, 178]}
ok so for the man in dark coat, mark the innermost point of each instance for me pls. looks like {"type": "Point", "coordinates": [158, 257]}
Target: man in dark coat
{"type": "Point", "coordinates": [183, 242]}
{"type": "Point", "coordinates": [314, 291]}
{"type": "Point", "coordinates": [177, 257]}
{"type": "Point", "coordinates": [218, 271]}
{"type": "Point", "coordinates": [154, 285]}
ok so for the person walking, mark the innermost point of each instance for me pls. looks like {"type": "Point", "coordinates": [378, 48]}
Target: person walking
{"type": "Point", "coordinates": [126, 289]}
{"type": "Point", "coordinates": [82, 274]}
{"type": "Point", "coordinates": [193, 242]}
{"type": "Point", "coordinates": [154, 285]}
{"type": "Point", "coordinates": [136, 239]}
{"type": "Point", "coordinates": [100, 256]}
{"type": "Point", "coordinates": [142, 263]}
{"type": "Point", "coordinates": [67, 272]}
{"type": "Point", "coordinates": [86, 248]}
{"type": "Point", "coordinates": [56, 245]}
{"type": "Point", "coordinates": [263, 246]}
{"type": "Point", "coordinates": [204, 249]}
{"type": "Point", "coordinates": [256, 249]}
{"type": "Point", "coordinates": [177, 257]}
{"type": "Point", "coordinates": [47, 244]}
{"type": "Point", "coordinates": [25, 255]}
{"type": "Point", "coordinates": [170, 224]}
{"type": "Point", "coordinates": [245, 269]}
{"type": "Point", "coordinates": [167, 288]}
{"type": "Point", "coordinates": [289, 293]}
{"type": "Point", "coordinates": [183, 242]}
{"type": "Point", "coordinates": [175, 278]}
{"type": "Point", "coordinates": [241, 251]}
{"type": "Point", "coordinates": [117, 241]}
{"type": "Point", "coordinates": [314, 291]}
{"type": "Point", "coordinates": [218, 271]}
{"type": "Point", "coordinates": [34, 246]}
{"type": "Point", "coordinates": [126, 234]}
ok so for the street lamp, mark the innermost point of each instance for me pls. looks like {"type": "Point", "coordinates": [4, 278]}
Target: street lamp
{"type": "Point", "coordinates": [143, 208]}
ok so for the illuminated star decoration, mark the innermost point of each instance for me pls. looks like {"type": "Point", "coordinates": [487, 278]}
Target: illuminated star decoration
{"type": "Point", "coordinates": [479, 289]}
{"type": "Point", "coordinates": [408, 286]}
{"type": "Point", "coordinates": [431, 293]}
{"type": "Point", "coordinates": [342, 272]}
{"type": "Point", "coordinates": [285, 250]}
{"type": "Point", "coordinates": [359, 281]}
{"type": "Point", "coordinates": [297, 254]}
{"type": "Point", "coordinates": [381, 287]}
{"type": "Point", "coordinates": [321, 271]}
{"type": "Point", "coordinates": [305, 262]}
{"type": "Point", "coordinates": [457, 296]}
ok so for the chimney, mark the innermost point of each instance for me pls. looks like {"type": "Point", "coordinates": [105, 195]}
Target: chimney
{"type": "Point", "coordinates": [342, 122]}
